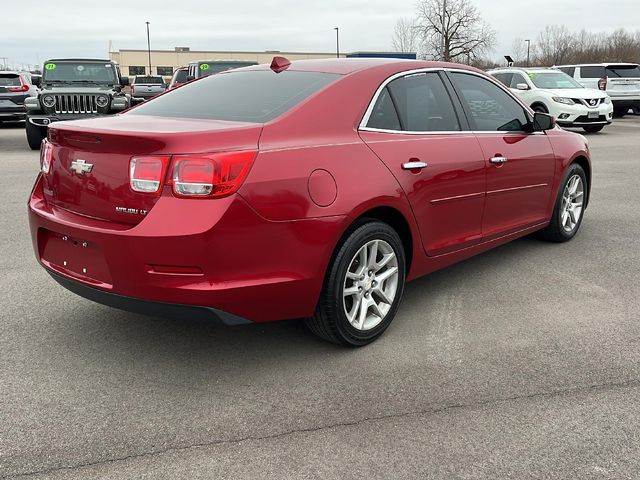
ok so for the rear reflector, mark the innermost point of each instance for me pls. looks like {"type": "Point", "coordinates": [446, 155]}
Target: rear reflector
{"type": "Point", "coordinates": [210, 175]}
{"type": "Point", "coordinates": [146, 174]}
{"type": "Point", "coordinates": [46, 156]}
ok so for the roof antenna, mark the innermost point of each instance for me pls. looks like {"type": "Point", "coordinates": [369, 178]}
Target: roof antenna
{"type": "Point", "coordinates": [279, 64]}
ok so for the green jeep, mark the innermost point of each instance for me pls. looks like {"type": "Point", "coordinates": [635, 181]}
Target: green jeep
{"type": "Point", "coordinates": [73, 88]}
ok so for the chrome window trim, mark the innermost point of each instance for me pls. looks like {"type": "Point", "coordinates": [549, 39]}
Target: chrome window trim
{"type": "Point", "coordinates": [367, 114]}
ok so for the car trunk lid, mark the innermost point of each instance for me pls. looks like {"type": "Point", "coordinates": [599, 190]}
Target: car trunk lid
{"type": "Point", "coordinates": [91, 158]}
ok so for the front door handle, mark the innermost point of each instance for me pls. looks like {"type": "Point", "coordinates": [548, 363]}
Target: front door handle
{"type": "Point", "coordinates": [499, 160]}
{"type": "Point", "coordinates": [414, 165]}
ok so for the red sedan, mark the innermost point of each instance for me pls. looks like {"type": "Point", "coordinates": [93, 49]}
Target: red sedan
{"type": "Point", "coordinates": [312, 189]}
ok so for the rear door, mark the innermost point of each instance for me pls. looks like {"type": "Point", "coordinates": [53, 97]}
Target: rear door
{"type": "Point", "coordinates": [520, 165]}
{"type": "Point", "coordinates": [414, 128]}
{"type": "Point", "coordinates": [623, 80]}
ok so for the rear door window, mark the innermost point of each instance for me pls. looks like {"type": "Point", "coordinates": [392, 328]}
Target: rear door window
{"type": "Point", "coordinates": [490, 107]}
{"type": "Point", "coordinates": [244, 96]}
{"type": "Point", "coordinates": [594, 71]}
{"type": "Point", "coordinates": [568, 70]}
{"type": "Point", "coordinates": [421, 102]}
{"type": "Point", "coordinates": [516, 79]}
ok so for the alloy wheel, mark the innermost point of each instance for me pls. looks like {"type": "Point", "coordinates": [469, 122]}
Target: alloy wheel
{"type": "Point", "coordinates": [572, 202]}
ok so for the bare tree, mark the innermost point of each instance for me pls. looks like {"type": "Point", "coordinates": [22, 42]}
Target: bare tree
{"type": "Point", "coordinates": [406, 37]}
{"type": "Point", "coordinates": [519, 52]}
{"type": "Point", "coordinates": [555, 45]}
{"type": "Point", "coordinates": [454, 30]}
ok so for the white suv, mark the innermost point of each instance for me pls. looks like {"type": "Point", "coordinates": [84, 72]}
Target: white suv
{"type": "Point", "coordinates": [556, 93]}
{"type": "Point", "coordinates": [621, 81]}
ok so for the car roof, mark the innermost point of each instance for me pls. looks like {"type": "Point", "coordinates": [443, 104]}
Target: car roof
{"type": "Point", "coordinates": [102, 60]}
{"type": "Point", "coordinates": [524, 70]}
{"type": "Point", "coordinates": [345, 66]}
{"type": "Point", "coordinates": [608, 64]}
{"type": "Point", "coordinates": [222, 60]}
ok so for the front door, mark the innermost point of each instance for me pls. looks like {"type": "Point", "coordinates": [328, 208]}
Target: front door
{"type": "Point", "coordinates": [520, 164]}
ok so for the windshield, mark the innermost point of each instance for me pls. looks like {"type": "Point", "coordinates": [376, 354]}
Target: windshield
{"type": "Point", "coordinates": [623, 71]}
{"type": "Point", "coordinates": [553, 80]}
{"type": "Point", "coordinates": [244, 96]}
{"type": "Point", "coordinates": [209, 68]}
{"type": "Point", "coordinates": [79, 72]}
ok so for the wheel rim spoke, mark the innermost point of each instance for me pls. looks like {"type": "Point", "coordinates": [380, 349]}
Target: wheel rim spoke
{"type": "Point", "coordinates": [571, 205]}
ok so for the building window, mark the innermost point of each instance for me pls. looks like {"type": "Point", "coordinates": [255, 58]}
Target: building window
{"type": "Point", "coordinates": [137, 70]}
{"type": "Point", "coordinates": [165, 71]}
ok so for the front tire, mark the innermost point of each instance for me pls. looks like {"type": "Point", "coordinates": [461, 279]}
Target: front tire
{"type": "Point", "coordinates": [35, 135]}
{"type": "Point", "coordinates": [539, 108]}
{"type": "Point", "coordinates": [363, 286]}
{"type": "Point", "coordinates": [569, 208]}
{"type": "Point", "coordinates": [593, 128]}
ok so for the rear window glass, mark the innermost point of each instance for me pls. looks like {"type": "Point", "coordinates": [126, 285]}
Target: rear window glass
{"type": "Point", "coordinates": [244, 96]}
{"type": "Point", "coordinates": [631, 71]}
{"type": "Point", "coordinates": [9, 80]}
{"type": "Point", "coordinates": [148, 80]}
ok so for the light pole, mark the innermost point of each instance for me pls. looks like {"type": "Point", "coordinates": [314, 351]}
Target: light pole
{"type": "Point", "coordinates": [444, 42]}
{"type": "Point", "coordinates": [337, 42]}
{"type": "Point", "coordinates": [528, 51]}
{"type": "Point", "coordinates": [148, 47]}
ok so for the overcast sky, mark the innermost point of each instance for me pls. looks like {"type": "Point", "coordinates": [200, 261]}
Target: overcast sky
{"type": "Point", "coordinates": [84, 27]}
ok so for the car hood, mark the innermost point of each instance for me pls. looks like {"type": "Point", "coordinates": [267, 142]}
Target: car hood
{"type": "Point", "coordinates": [79, 88]}
{"type": "Point", "coordinates": [585, 93]}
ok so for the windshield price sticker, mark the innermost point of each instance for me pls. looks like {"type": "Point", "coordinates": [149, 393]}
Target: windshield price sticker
{"type": "Point", "coordinates": [532, 75]}
{"type": "Point", "coordinates": [50, 66]}
{"type": "Point", "coordinates": [204, 66]}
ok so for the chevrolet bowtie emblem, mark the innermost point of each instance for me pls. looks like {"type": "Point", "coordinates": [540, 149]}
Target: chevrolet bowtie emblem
{"type": "Point", "coordinates": [81, 167]}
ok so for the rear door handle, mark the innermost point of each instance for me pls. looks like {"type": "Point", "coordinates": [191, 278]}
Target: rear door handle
{"type": "Point", "coordinates": [499, 160]}
{"type": "Point", "coordinates": [414, 165]}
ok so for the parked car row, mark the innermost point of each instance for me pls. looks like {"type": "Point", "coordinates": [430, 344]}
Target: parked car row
{"type": "Point", "coordinates": [586, 96]}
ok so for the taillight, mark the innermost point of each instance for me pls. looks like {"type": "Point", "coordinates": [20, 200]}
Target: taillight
{"type": "Point", "coordinates": [212, 175]}
{"type": "Point", "coordinates": [46, 156]}
{"type": "Point", "coordinates": [146, 174]}
{"type": "Point", "coordinates": [21, 88]}
{"type": "Point", "coordinates": [602, 83]}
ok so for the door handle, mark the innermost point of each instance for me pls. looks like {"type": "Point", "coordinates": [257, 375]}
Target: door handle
{"type": "Point", "coordinates": [499, 160]}
{"type": "Point", "coordinates": [414, 165]}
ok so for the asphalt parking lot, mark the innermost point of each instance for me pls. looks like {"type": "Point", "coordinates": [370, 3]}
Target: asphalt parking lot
{"type": "Point", "coordinates": [523, 362]}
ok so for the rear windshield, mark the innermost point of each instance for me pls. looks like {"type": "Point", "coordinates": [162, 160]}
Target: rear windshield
{"type": "Point", "coordinates": [9, 80]}
{"type": "Point", "coordinates": [209, 68]}
{"type": "Point", "coordinates": [244, 96]}
{"type": "Point", "coordinates": [148, 80]}
{"type": "Point", "coordinates": [630, 71]}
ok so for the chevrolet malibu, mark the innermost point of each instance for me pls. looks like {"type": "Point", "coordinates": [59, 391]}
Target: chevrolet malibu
{"type": "Point", "coordinates": [312, 189]}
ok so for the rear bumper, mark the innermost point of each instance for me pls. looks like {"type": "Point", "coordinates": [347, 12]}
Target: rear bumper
{"type": "Point", "coordinates": [156, 309]}
{"type": "Point", "coordinates": [221, 255]}
{"type": "Point", "coordinates": [620, 102]}
{"type": "Point", "coordinates": [18, 114]}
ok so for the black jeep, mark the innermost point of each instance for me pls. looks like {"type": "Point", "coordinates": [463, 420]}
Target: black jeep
{"type": "Point", "coordinates": [73, 88]}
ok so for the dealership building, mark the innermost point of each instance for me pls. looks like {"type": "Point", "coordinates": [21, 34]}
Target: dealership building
{"type": "Point", "coordinates": [164, 62]}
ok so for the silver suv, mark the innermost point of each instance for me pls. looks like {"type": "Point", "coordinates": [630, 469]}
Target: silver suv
{"type": "Point", "coordinates": [15, 88]}
{"type": "Point", "coordinates": [621, 81]}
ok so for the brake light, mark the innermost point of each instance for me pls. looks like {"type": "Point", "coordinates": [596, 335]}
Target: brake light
{"type": "Point", "coordinates": [210, 175]}
{"type": "Point", "coordinates": [46, 156]}
{"type": "Point", "coordinates": [146, 174]}
{"type": "Point", "coordinates": [602, 83]}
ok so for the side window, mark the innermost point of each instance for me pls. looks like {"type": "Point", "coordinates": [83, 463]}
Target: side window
{"type": "Point", "coordinates": [384, 115]}
{"type": "Point", "coordinates": [504, 78]}
{"type": "Point", "coordinates": [491, 108]}
{"type": "Point", "coordinates": [568, 70]}
{"type": "Point", "coordinates": [592, 72]}
{"type": "Point", "coordinates": [423, 103]}
{"type": "Point", "coordinates": [516, 79]}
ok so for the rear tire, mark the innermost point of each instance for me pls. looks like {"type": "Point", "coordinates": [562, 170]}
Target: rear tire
{"type": "Point", "coordinates": [363, 286]}
{"type": "Point", "coordinates": [593, 128]}
{"type": "Point", "coordinates": [620, 112]}
{"type": "Point", "coordinates": [567, 218]}
{"type": "Point", "coordinates": [35, 135]}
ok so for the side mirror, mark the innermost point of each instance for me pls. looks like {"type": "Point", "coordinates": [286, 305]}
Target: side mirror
{"type": "Point", "coordinates": [543, 122]}
{"type": "Point", "coordinates": [190, 77]}
{"type": "Point", "coordinates": [36, 81]}
{"type": "Point", "coordinates": [124, 81]}
{"type": "Point", "coordinates": [522, 86]}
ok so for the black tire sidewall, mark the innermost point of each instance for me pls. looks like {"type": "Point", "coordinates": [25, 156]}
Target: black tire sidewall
{"type": "Point", "coordinates": [34, 133]}
{"type": "Point", "coordinates": [573, 169]}
{"type": "Point", "coordinates": [373, 230]}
